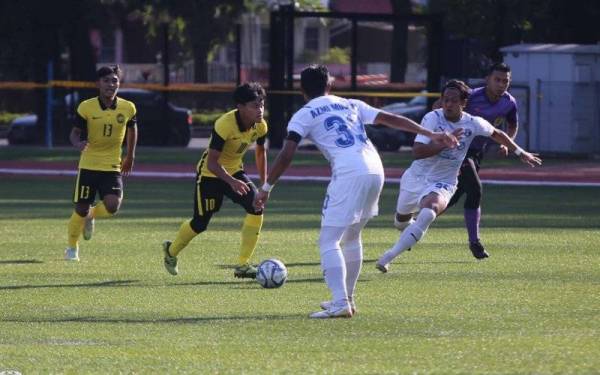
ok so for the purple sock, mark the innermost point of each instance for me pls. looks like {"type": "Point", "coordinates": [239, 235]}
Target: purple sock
{"type": "Point", "coordinates": [472, 216]}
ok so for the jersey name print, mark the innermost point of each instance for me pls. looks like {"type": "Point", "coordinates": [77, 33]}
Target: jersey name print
{"type": "Point", "coordinates": [336, 126]}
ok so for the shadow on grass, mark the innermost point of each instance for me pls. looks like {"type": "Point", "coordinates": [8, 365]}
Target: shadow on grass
{"type": "Point", "coordinates": [427, 261]}
{"type": "Point", "coordinates": [248, 282]}
{"type": "Point", "coordinates": [101, 284]}
{"type": "Point", "coordinates": [183, 320]}
{"type": "Point", "coordinates": [21, 261]}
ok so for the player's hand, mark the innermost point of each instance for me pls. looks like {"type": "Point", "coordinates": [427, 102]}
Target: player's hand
{"type": "Point", "coordinates": [529, 158]}
{"type": "Point", "coordinates": [503, 150]}
{"type": "Point", "coordinates": [449, 140]}
{"type": "Point", "coordinates": [81, 145]}
{"type": "Point", "coordinates": [126, 166]}
{"type": "Point", "coordinates": [240, 187]}
{"type": "Point", "coordinates": [260, 199]}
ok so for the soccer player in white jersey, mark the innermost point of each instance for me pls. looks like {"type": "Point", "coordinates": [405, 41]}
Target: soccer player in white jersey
{"type": "Point", "coordinates": [430, 182]}
{"type": "Point", "coordinates": [336, 126]}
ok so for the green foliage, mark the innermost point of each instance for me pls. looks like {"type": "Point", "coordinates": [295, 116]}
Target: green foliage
{"type": "Point", "coordinates": [206, 118]}
{"type": "Point", "coordinates": [530, 308]}
{"type": "Point", "coordinates": [335, 55]}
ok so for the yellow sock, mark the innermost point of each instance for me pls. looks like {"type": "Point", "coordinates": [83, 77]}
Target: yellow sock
{"type": "Point", "coordinates": [184, 236]}
{"type": "Point", "coordinates": [75, 227]}
{"type": "Point", "coordinates": [250, 233]}
{"type": "Point", "coordinates": [99, 210]}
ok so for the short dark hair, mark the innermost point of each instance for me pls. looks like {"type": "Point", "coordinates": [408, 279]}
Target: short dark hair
{"type": "Point", "coordinates": [248, 92]}
{"type": "Point", "coordinates": [106, 70]}
{"type": "Point", "coordinates": [499, 67]}
{"type": "Point", "coordinates": [314, 80]}
{"type": "Point", "coordinates": [459, 85]}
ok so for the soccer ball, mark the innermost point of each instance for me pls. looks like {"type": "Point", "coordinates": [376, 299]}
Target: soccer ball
{"type": "Point", "coordinates": [271, 273]}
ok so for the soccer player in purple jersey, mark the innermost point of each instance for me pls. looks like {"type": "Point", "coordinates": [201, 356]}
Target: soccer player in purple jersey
{"type": "Point", "coordinates": [498, 107]}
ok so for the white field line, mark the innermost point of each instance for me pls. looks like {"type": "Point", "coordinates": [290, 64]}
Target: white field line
{"type": "Point", "coordinates": [189, 175]}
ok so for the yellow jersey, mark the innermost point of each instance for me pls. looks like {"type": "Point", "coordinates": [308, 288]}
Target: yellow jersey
{"type": "Point", "coordinates": [232, 141]}
{"type": "Point", "coordinates": [104, 129]}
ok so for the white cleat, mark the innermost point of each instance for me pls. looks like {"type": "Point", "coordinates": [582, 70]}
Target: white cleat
{"type": "Point", "coordinates": [333, 312]}
{"type": "Point", "coordinates": [72, 254]}
{"type": "Point", "coordinates": [383, 268]}
{"type": "Point", "coordinates": [88, 228]}
{"type": "Point", "coordinates": [326, 305]}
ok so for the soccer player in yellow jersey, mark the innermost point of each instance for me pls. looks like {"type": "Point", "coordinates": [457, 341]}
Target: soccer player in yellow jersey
{"type": "Point", "coordinates": [220, 173]}
{"type": "Point", "coordinates": [102, 124]}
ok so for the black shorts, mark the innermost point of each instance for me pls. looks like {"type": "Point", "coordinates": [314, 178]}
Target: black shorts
{"type": "Point", "coordinates": [211, 190]}
{"type": "Point", "coordinates": [476, 156]}
{"type": "Point", "coordinates": [91, 182]}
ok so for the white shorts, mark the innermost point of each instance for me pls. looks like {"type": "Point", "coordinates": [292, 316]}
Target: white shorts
{"type": "Point", "coordinates": [351, 199]}
{"type": "Point", "coordinates": [414, 188]}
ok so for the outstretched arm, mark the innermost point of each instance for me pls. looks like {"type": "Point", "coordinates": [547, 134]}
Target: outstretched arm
{"type": "Point", "coordinates": [406, 124]}
{"type": "Point", "coordinates": [281, 163]}
{"type": "Point", "coordinates": [425, 150]}
{"type": "Point", "coordinates": [526, 157]}
{"type": "Point", "coordinates": [511, 130]}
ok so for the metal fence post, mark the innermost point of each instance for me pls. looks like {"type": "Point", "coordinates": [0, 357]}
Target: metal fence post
{"type": "Point", "coordinates": [49, 104]}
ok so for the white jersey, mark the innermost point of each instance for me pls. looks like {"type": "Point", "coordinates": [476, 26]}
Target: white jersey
{"type": "Point", "coordinates": [336, 126]}
{"type": "Point", "coordinates": [444, 166]}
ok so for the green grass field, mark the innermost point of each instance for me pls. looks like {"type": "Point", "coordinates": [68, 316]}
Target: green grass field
{"type": "Point", "coordinates": [533, 307]}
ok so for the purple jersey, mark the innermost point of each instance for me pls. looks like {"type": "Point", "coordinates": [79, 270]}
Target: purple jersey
{"type": "Point", "coordinates": [498, 114]}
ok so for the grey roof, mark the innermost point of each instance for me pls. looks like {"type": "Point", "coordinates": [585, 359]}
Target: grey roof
{"type": "Point", "coordinates": [553, 48]}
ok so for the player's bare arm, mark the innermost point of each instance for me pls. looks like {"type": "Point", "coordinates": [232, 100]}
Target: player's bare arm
{"type": "Point", "coordinates": [526, 157]}
{"type": "Point", "coordinates": [127, 164]}
{"type": "Point", "coordinates": [217, 169]}
{"type": "Point", "coordinates": [511, 131]}
{"type": "Point", "coordinates": [425, 150]}
{"type": "Point", "coordinates": [260, 157]}
{"type": "Point", "coordinates": [75, 138]}
{"type": "Point", "coordinates": [281, 164]}
{"type": "Point", "coordinates": [403, 123]}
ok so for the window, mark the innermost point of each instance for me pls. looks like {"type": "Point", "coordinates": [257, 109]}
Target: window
{"type": "Point", "coordinates": [311, 38]}
{"type": "Point", "coordinates": [264, 44]}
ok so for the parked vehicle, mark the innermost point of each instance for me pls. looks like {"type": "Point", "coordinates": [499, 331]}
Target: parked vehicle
{"type": "Point", "coordinates": [156, 126]}
{"type": "Point", "coordinates": [389, 139]}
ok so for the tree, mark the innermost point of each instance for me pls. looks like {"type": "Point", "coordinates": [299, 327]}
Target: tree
{"type": "Point", "coordinates": [201, 25]}
{"type": "Point", "coordinates": [503, 22]}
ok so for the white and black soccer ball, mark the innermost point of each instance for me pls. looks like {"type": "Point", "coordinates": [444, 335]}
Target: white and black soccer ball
{"type": "Point", "coordinates": [271, 273]}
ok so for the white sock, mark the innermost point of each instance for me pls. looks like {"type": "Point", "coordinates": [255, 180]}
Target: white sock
{"type": "Point", "coordinates": [410, 236]}
{"type": "Point", "coordinates": [334, 271]}
{"type": "Point", "coordinates": [353, 255]}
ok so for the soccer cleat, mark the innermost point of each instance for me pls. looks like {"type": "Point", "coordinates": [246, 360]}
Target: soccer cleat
{"type": "Point", "coordinates": [326, 305]}
{"type": "Point", "coordinates": [333, 312]}
{"type": "Point", "coordinates": [477, 250]}
{"type": "Point", "coordinates": [245, 271]}
{"type": "Point", "coordinates": [72, 254]}
{"type": "Point", "coordinates": [88, 228]}
{"type": "Point", "coordinates": [170, 260]}
{"type": "Point", "coordinates": [384, 268]}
